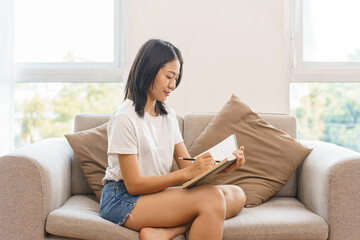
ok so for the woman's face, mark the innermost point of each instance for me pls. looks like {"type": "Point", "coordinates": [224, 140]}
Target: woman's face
{"type": "Point", "coordinates": [165, 81]}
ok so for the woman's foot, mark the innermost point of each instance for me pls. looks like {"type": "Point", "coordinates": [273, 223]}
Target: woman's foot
{"type": "Point", "coordinates": [162, 233]}
{"type": "Point", "coordinates": [154, 233]}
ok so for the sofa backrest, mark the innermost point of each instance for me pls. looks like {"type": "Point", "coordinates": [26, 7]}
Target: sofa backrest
{"type": "Point", "coordinates": [190, 126]}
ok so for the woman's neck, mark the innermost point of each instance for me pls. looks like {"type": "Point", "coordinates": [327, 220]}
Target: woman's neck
{"type": "Point", "coordinates": [150, 108]}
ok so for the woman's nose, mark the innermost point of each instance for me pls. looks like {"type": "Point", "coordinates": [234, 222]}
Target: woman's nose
{"type": "Point", "coordinates": [172, 84]}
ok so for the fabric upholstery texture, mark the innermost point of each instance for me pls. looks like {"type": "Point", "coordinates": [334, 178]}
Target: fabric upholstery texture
{"type": "Point", "coordinates": [276, 219]}
{"type": "Point", "coordinates": [90, 147]}
{"type": "Point", "coordinates": [195, 123]}
{"type": "Point", "coordinates": [329, 185]}
{"type": "Point", "coordinates": [79, 218]}
{"type": "Point", "coordinates": [34, 180]}
{"type": "Point", "coordinates": [272, 156]}
{"type": "Point", "coordinates": [84, 121]}
{"type": "Point", "coordinates": [280, 218]}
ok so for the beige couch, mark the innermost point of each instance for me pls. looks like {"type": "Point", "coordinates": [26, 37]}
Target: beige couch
{"type": "Point", "coordinates": [44, 194]}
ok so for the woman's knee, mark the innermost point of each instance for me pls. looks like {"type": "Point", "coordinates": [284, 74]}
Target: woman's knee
{"type": "Point", "coordinates": [212, 200]}
{"type": "Point", "coordinates": [235, 198]}
{"type": "Point", "coordinates": [239, 195]}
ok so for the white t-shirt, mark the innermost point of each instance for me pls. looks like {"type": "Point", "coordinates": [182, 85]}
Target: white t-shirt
{"type": "Point", "coordinates": [153, 139]}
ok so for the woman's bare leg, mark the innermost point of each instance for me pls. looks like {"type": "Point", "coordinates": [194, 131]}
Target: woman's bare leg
{"type": "Point", "coordinates": [235, 199]}
{"type": "Point", "coordinates": [149, 233]}
{"type": "Point", "coordinates": [203, 206]}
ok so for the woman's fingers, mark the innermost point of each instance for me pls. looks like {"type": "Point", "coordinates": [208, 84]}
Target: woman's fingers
{"type": "Point", "coordinates": [209, 161]}
{"type": "Point", "coordinates": [240, 156]}
{"type": "Point", "coordinates": [205, 155]}
{"type": "Point", "coordinates": [240, 161]}
{"type": "Point", "coordinates": [205, 161]}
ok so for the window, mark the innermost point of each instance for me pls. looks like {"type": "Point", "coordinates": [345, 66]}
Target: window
{"type": "Point", "coordinates": [325, 73]}
{"type": "Point", "coordinates": [328, 112]}
{"type": "Point", "coordinates": [68, 58]}
{"type": "Point", "coordinates": [331, 31]}
{"type": "Point", "coordinates": [325, 33]}
{"type": "Point", "coordinates": [69, 41]}
{"type": "Point", "coordinates": [45, 110]}
{"type": "Point", "coordinates": [64, 31]}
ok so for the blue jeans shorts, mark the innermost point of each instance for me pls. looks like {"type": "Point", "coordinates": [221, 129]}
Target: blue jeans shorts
{"type": "Point", "coordinates": [116, 202]}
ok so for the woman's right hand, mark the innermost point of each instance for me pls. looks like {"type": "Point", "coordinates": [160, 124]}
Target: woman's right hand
{"type": "Point", "coordinates": [201, 164]}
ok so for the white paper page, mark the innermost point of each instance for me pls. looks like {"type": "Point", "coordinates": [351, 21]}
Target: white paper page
{"type": "Point", "coordinates": [223, 149]}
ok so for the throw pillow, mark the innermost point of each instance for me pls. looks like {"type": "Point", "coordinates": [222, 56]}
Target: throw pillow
{"type": "Point", "coordinates": [271, 154]}
{"type": "Point", "coordinates": [90, 148]}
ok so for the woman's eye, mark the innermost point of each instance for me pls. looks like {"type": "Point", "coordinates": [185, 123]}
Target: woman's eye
{"type": "Point", "coordinates": [168, 77]}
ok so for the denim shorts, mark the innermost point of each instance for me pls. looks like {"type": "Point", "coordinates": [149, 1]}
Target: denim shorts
{"type": "Point", "coordinates": [116, 202]}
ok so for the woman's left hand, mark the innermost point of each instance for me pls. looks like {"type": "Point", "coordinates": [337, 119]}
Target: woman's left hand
{"type": "Point", "coordinates": [240, 161]}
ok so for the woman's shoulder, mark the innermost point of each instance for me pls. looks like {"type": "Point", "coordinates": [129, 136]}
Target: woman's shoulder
{"type": "Point", "coordinates": [124, 111]}
{"type": "Point", "coordinates": [126, 107]}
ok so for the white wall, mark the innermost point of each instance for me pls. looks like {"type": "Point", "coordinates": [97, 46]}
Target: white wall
{"type": "Point", "coordinates": [229, 46]}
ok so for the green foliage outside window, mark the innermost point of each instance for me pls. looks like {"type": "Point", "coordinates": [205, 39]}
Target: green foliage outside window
{"type": "Point", "coordinates": [331, 113]}
{"type": "Point", "coordinates": [50, 109]}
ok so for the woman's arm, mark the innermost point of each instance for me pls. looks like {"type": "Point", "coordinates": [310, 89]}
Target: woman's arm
{"type": "Point", "coordinates": [137, 184]}
{"type": "Point", "coordinates": [181, 151]}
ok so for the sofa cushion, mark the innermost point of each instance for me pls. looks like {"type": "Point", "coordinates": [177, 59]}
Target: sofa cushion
{"type": "Point", "coordinates": [79, 218]}
{"type": "Point", "coordinates": [84, 121]}
{"type": "Point", "coordinates": [277, 219]}
{"type": "Point", "coordinates": [272, 156]}
{"type": "Point", "coordinates": [195, 123]}
{"type": "Point", "coordinates": [280, 218]}
{"type": "Point", "coordinates": [90, 148]}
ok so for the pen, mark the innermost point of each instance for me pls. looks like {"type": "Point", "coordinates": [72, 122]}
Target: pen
{"type": "Point", "coordinates": [193, 159]}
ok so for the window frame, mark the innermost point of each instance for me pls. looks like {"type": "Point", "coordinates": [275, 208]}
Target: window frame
{"type": "Point", "coordinates": [306, 71]}
{"type": "Point", "coordinates": [84, 72]}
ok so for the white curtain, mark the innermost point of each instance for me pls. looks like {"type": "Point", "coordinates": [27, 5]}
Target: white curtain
{"type": "Point", "coordinates": [6, 76]}
{"type": "Point", "coordinates": [297, 90]}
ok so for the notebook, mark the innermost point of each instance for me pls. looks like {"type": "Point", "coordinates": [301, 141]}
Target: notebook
{"type": "Point", "coordinates": [221, 151]}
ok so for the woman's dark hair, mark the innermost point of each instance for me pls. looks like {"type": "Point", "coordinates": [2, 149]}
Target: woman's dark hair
{"type": "Point", "coordinates": [152, 56]}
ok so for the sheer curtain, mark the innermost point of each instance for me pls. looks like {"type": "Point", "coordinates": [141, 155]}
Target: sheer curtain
{"type": "Point", "coordinates": [297, 90]}
{"type": "Point", "coordinates": [6, 76]}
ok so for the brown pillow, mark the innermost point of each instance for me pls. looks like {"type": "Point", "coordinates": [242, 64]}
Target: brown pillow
{"type": "Point", "coordinates": [90, 148]}
{"type": "Point", "coordinates": [271, 155]}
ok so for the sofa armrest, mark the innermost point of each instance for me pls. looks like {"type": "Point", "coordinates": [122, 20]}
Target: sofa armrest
{"type": "Point", "coordinates": [329, 185]}
{"type": "Point", "coordinates": [34, 180]}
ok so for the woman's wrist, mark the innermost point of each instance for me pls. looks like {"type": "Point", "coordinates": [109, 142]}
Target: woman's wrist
{"type": "Point", "coordinates": [185, 173]}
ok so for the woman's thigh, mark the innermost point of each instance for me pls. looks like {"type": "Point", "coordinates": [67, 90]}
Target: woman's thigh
{"type": "Point", "coordinates": [173, 207]}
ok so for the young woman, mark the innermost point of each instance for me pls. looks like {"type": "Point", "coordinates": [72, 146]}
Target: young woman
{"type": "Point", "coordinates": [143, 139]}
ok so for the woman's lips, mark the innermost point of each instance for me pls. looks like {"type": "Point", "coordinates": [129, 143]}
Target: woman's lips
{"type": "Point", "coordinates": [167, 93]}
